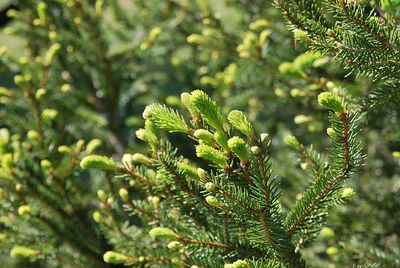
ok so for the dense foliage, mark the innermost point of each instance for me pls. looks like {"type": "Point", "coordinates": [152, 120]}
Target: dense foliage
{"type": "Point", "coordinates": [288, 156]}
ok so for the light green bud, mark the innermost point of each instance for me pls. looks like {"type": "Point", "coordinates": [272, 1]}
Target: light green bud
{"type": "Point", "coordinates": [98, 162]}
{"type": "Point", "coordinates": [331, 132]}
{"type": "Point", "coordinates": [49, 115]}
{"type": "Point", "coordinates": [123, 193]}
{"type": "Point", "coordinates": [255, 150]}
{"type": "Point", "coordinates": [154, 33]}
{"type": "Point", "coordinates": [33, 135]}
{"type": "Point", "coordinates": [45, 164]}
{"type": "Point", "coordinates": [240, 148]}
{"type": "Point", "coordinates": [64, 149]}
{"type": "Point", "coordinates": [92, 145]}
{"type": "Point", "coordinates": [347, 192]}
{"type": "Point", "coordinates": [292, 142]}
{"type": "Point", "coordinates": [127, 161]}
{"type": "Point", "coordinates": [332, 251]}
{"type": "Point", "coordinates": [237, 264]}
{"type": "Point", "coordinates": [208, 109]}
{"type": "Point", "coordinates": [141, 158]}
{"type": "Point", "coordinates": [4, 136]}
{"type": "Point", "coordinates": [51, 53]}
{"type": "Point", "coordinates": [65, 88]}
{"type": "Point", "coordinates": [210, 186]}
{"type": "Point", "coordinates": [327, 232]}
{"type": "Point", "coordinates": [42, 12]}
{"type": "Point", "coordinates": [259, 25]}
{"type": "Point", "coordinates": [196, 39]}
{"type": "Point", "coordinates": [186, 100]}
{"type": "Point", "coordinates": [97, 217]}
{"type": "Point", "coordinates": [24, 210]}
{"type": "Point", "coordinates": [174, 245]}
{"type": "Point", "coordinates": [239, 120]}
{"type": "Point", "coordinates": [163, 233]}
{"type": "Point", "coordinates": [222, 140]}
{"type": "Point", "coordinates": [112, 257]}
{"type": "Point", "coordinates": [101, 195]}
{"type": "Point", "coordinates": [204, 135]}
{"type": "Point", "coordinates": [40, 93]}
{"type": "Point", "coordinates": [202, 174]}
{"type": "Point", "coordinates": [213, 201]}
{"type": "Point", "coordinates": [330, 101]}
{"type": "Point", "coordinates": [211, 154]}
{"type": "Point", "coordinates": [23, 252]}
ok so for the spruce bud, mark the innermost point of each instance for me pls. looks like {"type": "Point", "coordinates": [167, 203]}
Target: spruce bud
{"type": "Point", "coordinates": [4, 136]}
{"type": "Point", "coordinates": [97, 217]}
{"type": "Point", "coordinates": [33, 135]}
{"type": "Point", "coordinates": [174, 245]}
{"type": "Point", "coordinates": [112, 257]}
{"type": "Point", "coordinates": [202, 174]}
{"type": "Point", "coordinates": [51, 53]}
{"type": "Point", "coordinates": [163, 233]}
{"type": "Point", "coordinates": [24, 210]}
{"type": "Point", "coordinates": [222, 140]}
{"type": "Point", "coordinates": [264, 137]}
{"type": "Point", "coordinates": [210, 186]}
{"type": "Point", "coordinates": [40, 93]}
{"type": "Point", "coordinates": [292, 142]}
{"type": "Point", "coordinates": [123, 193]}
{"type": "Point", "coordinates": [64, 149]}
{"type": "Point", "coordinates": [92, 145]}
{"type": "Point", "coordinates": [239, 148]}
{"type": "Point", "coordinates": [259, 25]}
{"type": "Point", "coordinates": [127, 161]}
{"type": "Point", "coordinates": [186, 99]}
{"type": "Point", "coordinates": [42, 12]}
{"type": "Point", "coordinates": [237, 264]}
{"type": "Point", "coordinates": [204, 135]}
{"type": "Point", "coordinates": [208, 109]}
{"type": "Point", "coordinates": [45, 164]}
{"type": "Point", "coordinates": [327, 232]}
{"type": "Point", "coordinates": [101, 195]}
{"type": "Point", "coordinates": [331, 132]}
{"type": "Point", "coordinates": [332, 251]}
{"type": "Point", "coordinates": [141, 158]}
{"type": "Point", "coordinates": [255, 150]}
{"type": "Point", "coordinates": [213, 201]}
{"type": "Point", "coordinates": [49, 115]}
{"type": "Point", "coordinates": [347, 192]}
{"type": "Point", "coordinates": [98, 162]}
{"type": "Point", "coordinates": [211, 154]}
{"type": "Point", "coordinates": [330, 101]}
{"type": "Point", "coordinates": [196, 39]}
{"type": "Point", "coordinates": [239, 121]}
{"type": "Point", "coordinates": [23, 252]}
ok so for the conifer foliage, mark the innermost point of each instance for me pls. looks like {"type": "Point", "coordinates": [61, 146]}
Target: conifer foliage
{"type": "Point", "coordinates": [228, 210]}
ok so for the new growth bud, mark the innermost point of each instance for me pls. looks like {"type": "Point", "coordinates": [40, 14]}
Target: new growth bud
{"type": "Point", "coordinates": [292, 142]}
{"type": "Point", "coordinates": [239, 148]}
{"type": "Point", "coordinates": [163, 233]}
{"type": "Point", "coordinates": [329, 101]}
{"type": "Point", "coordinates": [211, 154]}
{"type": "Point", "coordinates": [213, 201]}
{"type": "Point", "coordinates": [98, 162]}
{"type": "Point", "coordinates": [239, 121]}
{"type": "Point", "coordinates": [23, 252]}
{"type": "Point", "coordinates": [208, 109]}
{"type": "Point", "coordinates": [123, 193]}
{"type": "Point", "coordinates": [202, 174]}
{"type": "Point", "coordinates": [237, 264]}
{"type": "Point", "coordinates": [112, 257]}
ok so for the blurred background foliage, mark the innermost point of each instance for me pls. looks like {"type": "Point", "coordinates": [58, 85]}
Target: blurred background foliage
{"type": "Point", "coordinates": [115, 57]}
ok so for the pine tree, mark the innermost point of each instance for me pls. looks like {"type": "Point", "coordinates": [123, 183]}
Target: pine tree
{"type": "Point", "coordinates": [199, 186]}
{"type": "Point", "coordinates": [229, 211]}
